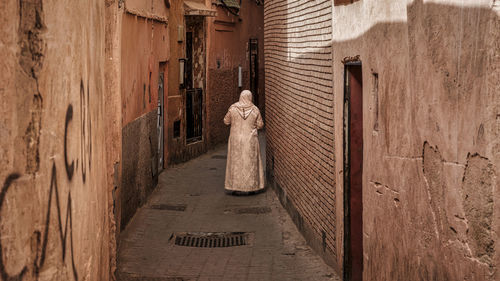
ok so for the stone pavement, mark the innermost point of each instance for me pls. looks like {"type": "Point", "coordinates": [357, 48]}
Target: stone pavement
{"type": "Point", "coordinates": [190, 198]}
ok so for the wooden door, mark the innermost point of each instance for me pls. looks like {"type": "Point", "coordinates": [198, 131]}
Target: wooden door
{"type": "Point", "coordinates": [353, 172]}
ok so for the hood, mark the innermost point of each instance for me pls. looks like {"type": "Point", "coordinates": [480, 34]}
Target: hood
{"type": "Point", "coordinates": [245, 106]}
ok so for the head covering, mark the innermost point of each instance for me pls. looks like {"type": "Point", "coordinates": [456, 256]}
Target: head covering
{"type": "Point", "coordinates": [245, 106]}
{"type": "Point", "coordinates": [246, 98]}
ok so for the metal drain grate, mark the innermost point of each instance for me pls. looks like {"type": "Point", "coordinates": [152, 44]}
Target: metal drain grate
{"type": "Point", "coordinates": [219, 157]}
{"type": "Point", "coordinates": [134, 277]}
{"type": "Point", "coordinates": [248, 210]}
{"type": "Point", "coordinates": [180, 208]}
{"type": "Point", "coordinates": [211, 239]}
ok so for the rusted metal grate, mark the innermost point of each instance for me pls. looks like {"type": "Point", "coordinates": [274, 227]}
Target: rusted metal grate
{"type": "Point", "coordinates": [211, 239]}
{"type": "Point", "coordinates": [167, 207]}
{"type": "Point", "coordinates": [248, 210]}
{"type": "Point", "coordinates": [133, 277]}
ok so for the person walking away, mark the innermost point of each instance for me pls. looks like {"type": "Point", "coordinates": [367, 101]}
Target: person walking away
{"type": "Point", "coordinates": [244, 171]}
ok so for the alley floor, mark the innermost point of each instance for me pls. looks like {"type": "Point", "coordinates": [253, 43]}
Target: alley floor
{"type": "Point", "coordinates": [190, 199]}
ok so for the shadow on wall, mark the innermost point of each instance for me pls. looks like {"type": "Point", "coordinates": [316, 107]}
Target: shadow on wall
{"type": "Point", "coordinates": [140, 164]}
{"type": "Point", "coordinates": [300, 116]}
{"type": "Point", "coordinates": [429, 212]}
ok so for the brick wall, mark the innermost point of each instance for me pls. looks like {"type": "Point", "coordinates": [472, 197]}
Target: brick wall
{"type": "Point", "coordinates": [300, 125]}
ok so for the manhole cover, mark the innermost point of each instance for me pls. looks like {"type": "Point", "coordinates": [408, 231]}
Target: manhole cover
{"type": "Point", "coordinates": [248, 210]}
{"type": "Point", "coordinates": [212, 239]}
{"type": "Point", "coordinates": [167, 207]}
{"type": "Point", "coordinates": [219, 157]}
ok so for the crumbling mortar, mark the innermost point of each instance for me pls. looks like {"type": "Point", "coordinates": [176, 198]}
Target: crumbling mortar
{"type": "Point", "coordinates": [479, 209]}
{"type": "Point", "coordinates": [469, 156]}
{"type": "Point", "coordinates": [32, 48]}
{"type": "Point", "coordinates": [410, 158]}
{"type": "Point", "coordinates": [378, 184]}
{"type": "Point", "coordinates": [429, 197]}
{"type": "Point", "coordinates": [435, 210]}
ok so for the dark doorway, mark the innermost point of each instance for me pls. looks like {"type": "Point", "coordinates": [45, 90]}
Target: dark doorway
{"type": "Point", "coordinates": [161, 115]}
{"type": "Point", "coordinates": [353, 172]}
{"type": "Point", "coordinates": [254, 70]}
{"type": "Point", "coordinates": [194, 113]}
{"type": "Point", "coordinates": [188, 68]}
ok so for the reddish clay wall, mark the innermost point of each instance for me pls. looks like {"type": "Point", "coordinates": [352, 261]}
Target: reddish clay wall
{"type": "Point", "coordinates": [431, 102]}
{"type": "Point", "coordinates": [144, 45]}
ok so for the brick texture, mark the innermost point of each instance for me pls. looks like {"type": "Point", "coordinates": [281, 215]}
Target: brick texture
{"type": "Point", "coordinates": [300, 117]}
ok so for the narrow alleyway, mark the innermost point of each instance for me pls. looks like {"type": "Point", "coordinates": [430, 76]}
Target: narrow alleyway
{"type": "Point", "coordinates": [190, 198]}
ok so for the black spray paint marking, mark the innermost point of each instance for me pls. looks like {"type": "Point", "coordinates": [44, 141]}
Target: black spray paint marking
{"type": "Point", "coordinates": [89, 125]}
{"type": "Point", "coordinates": [86, 152]}
{"type": "Point", "coordinates": [63, 233]}
{"type": "Point", "coordinates": [86, 131]}
{"type": "Point", "coordinates": [70, 168]}
{"type": "Point", "coordinates": [3, 273]}
{"type": "Point", "coordinates": [82, 118]}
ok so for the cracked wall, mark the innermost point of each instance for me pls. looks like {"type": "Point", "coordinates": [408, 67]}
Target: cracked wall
{"type": "Point", "coordinates": [53, 178]}
{"type": "Point", "coordinates": [144, 46]}
{"type": "Point", "coordinates": [478, 206]}
{"type": "Point", "coordinates": [431, 141]}
{"type": "Point", "coordinates": [31, 55]}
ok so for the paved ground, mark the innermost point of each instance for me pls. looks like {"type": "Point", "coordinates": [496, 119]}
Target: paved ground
{"type": "Point", "coordinates": [278, 251]}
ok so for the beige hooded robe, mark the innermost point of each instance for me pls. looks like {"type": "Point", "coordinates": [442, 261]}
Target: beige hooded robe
{"type": "Point", "coordinates": [244, 170]}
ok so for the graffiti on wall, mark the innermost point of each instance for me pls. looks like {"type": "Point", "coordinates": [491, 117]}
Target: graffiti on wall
{"type": "Point", "coordinates": [62, 228]}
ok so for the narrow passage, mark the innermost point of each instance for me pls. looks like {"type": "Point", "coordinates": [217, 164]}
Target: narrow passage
{"type": "Point", "coordinates": [190, 199]}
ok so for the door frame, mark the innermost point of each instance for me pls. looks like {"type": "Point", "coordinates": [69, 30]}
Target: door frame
{"type": "Point", "coordinates": [347, 254]}
{"type": "Point", "coordinates": [162, 119]}
{"type": "Point", "coordinates": [254, 82]}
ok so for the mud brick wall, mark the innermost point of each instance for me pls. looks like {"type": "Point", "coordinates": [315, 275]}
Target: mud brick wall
{"type": "Point", "coordinates": [431, 102]}
{"type": "Point", "coordinates": [144, 45]}
{"type": "Point", "coordinates": [140, 164]}
{"type": "Point", "coordinates": [53, 178]}
{"type": "Point", "coordinates": [299, 109]}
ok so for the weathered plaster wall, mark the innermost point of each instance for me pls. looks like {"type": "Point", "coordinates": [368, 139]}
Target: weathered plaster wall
{"type": "Point", "coordinates": [112, 73]}
{"type": "Point", "coordinates": [144, 44]}
{"type": "Point", "coordinates": [176, 109]}
{"type": "Point", "coordinates": [152, 9]}
{"type": "Point", "coordinates": [140, 165]}
{"type": "Point", "coordinates": [228, 48]}
{"type": "Point", "coordinates": [431, 135]}
{"type": "Point", "coordinates": [179, 149]}
{"type": "Point", "coordinates": [54, 190]}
